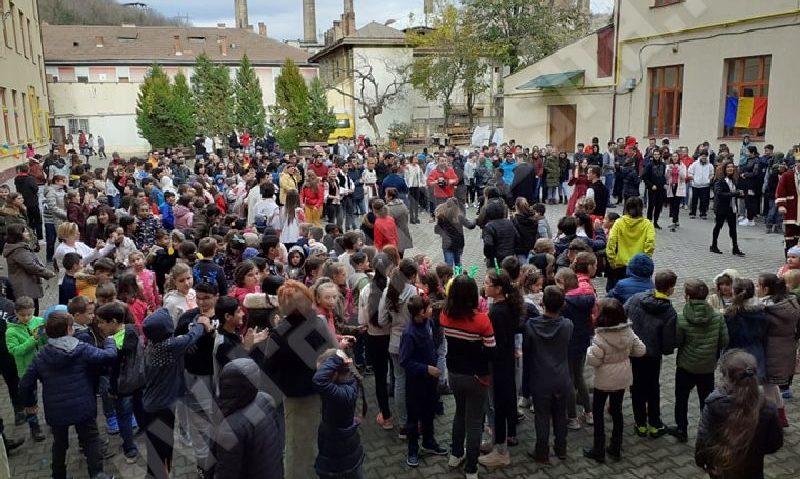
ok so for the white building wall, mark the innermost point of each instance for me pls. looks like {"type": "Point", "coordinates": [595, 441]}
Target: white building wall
{"type": "Point", "coordinates": [402, 109]}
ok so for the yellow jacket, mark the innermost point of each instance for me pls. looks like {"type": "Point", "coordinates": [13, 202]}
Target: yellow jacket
{"type": "Point", "coordinates": [288, 182]}
{"type": "Point", "coordinates": [629, 237]}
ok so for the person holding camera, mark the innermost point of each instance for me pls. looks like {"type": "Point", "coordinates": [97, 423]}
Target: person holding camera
{"type": "Point", "coordinates": [442, 180]}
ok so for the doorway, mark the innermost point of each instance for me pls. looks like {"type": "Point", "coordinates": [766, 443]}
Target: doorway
{"type": "Point", "coordinates": [562, 127]}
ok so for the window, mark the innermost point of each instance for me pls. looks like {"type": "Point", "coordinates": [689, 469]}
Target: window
{"type": "Point", "coordinates": [665, 3]}
{"type": "Point", "coordinates": [30, 40]}
{"type": "Point", "coordinates": [22, 33]}
{"type": "Point", "coordinates": [746, 78]}
{"type": "Point", "coordinates": [666, 95]}
{"type": "Point", "coordinates": [7, 132]}
{"type": "Point", "coordinates": [16, 113]}
{"type": "Point", "coordinates": [5, 30]}
{"type": "Point", "coordinates": [25, 116]}
{"type": "Point", "coordinates": [605, 52]}
{"type": "Point", "coordinates": [13, 26]}
{"type": "Point", "coordinates": [78, 124]}
{"type": "Point", "coordinates": [83, 79]}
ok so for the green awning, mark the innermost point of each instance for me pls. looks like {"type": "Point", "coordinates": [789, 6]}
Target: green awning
{"type": "Point", "coordinates": [555, 80]}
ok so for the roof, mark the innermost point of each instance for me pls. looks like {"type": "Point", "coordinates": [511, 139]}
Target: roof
{"type": "Point", "coordinates": [572, 78]}
{"type": "Point", "coordinates": [132, 44]}
{"type": "Point", "coordinates": [378, 30]}
{"type": "Point", "coordinates": [373, 34]}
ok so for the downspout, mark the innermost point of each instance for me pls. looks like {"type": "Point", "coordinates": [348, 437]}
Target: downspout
{"type": "Point", "coordinates": [616, 70]}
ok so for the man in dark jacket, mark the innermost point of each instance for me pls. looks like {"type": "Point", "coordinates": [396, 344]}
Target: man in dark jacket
{"type": "Point", "coordinates": [653, 319]}
{"type": "Point", "coordinates": [63, 367]}
{"type": "Point", "coordinates": [26, 186]}
{"type": "Point", "coordinates": [597, 190]}
{"type": "Point", "coordinates": [655, 181]}
{"type": "Point", "coordinates": [251, 424]}
{"type": "Point", "coordinates": [524, 181]}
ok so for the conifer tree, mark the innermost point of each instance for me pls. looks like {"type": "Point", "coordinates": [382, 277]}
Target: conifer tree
{"type": "Point", "coordinates": [250, 113]}
{"type": "Point", "coordinates": [290, 114]}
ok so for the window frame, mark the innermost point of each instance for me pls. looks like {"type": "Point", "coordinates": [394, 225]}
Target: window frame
{"type": "Point", "coordinates": [4, 106]}
{"type": "Point", "coordinates": [82, 124]}
{"type": "Point", "coordinates": [741, 84]}
{"type": "Point", "coordinates": [665, 3]}
{"type": "Point", "coordinates": [16, 114]}
{"type": "Point", "coordinates": [662, 91]}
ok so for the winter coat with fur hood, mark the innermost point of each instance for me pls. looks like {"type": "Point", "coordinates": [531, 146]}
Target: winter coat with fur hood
{"type": "Point", "coordinates": [610, 354]}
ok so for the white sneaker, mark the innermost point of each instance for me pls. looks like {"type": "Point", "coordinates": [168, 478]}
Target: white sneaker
{"type": "Point", "coordinates": [574, 424]}
{"type": "Point", "coordinates": [588, 418]}
{"type": "Point", "coordinates": [751, 223]}
{"type": "Point", "coordinates": [523, 402]}
{"type": "Point", "coordinates": [473, 475]}
{"type": "Point", "coordinates": [495, 459]}
{"type": "Point", "coordinates": [743, 222]}
{"type": "Point", "coordinates": [455, 461]}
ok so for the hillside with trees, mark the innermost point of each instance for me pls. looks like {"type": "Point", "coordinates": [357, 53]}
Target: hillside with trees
{"type": "Point", "coordinates": [99, 12]}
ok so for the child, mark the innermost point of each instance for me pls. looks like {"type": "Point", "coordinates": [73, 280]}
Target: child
{"type": "Point", "coordinates": [613, 344]}
{"type": "Point", "coordinates": [332, 232]}
{"type": "Point", "coordinates": [67, 391]}
{"type": "Point", "coordinates": [161, 258]}
{"type": "Point", "coordinates": [205, 270]}
{"type": "Point", "coordinates": [24, 338]}
{"type": "Point", "coordinates": [164, 381]}
{"type": "Point", "coordinates": [180, 296]}
{"type": "Point", "coordinates": [792, 261]}
{"type": "Point", "coordinates": [653, 319]}
{"type": "Point", "coordinates": [340, 451]}
{"type": "Point", "coordinates": [166, 210]}
{"type": "Point", "coordinates": [541, 221]}
{"type": "Point", "coordinates": [351, 242]}
{"type": "Point", "coordinates": [296, 266]}
{"type": "Point", "coordinates": [637, 279]}
{"type": "Point", "coordinates": [418, 358]}
{"type": "Point", "coordinates": [147, 278]}
{"type": "Point", "coordinates": [738, 427]}
{"type": "Point", "coordinates": [792, 279]}
{"type": "Point", "coordinates": [68, 287]}
{"type": "Point", "coordinates": [701, 336]}
{"type": "Point", "coordinates": [82, 311]}
{"type": "Point", "coordinates": [146, 227]}
{"type": "Point", "coordinates": [358, 279]}
{"type": "Point", "coordinates": [723, 283]}
{"type": "Point", "coordinates": [544, 259]}
{"type": "Point", "coordinates": [129, 292]}
{"type": "Point", "coordinates": [546, 350]}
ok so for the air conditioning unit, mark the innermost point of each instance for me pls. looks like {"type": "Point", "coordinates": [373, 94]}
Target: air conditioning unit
{"type": "Point", "coordinates": [629, 84]}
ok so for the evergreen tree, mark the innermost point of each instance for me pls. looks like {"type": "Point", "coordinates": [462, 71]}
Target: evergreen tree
{"type": "Point", "coordinates": [290, 114]}
{"type": "Point", "coordinates": [323, 120]}
{"type": "Point", "coordinates": [182, 109]}
{"type": "Point", "coordinates": [250, 112]}
{"type": "Point", "coordinates": [213, 97]}
{"type": "Point", "coordinates": [153, 109]}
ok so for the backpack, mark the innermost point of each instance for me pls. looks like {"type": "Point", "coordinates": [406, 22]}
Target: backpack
{"type": "Point", "coordinates": [209, 277]}
{"type": "Point", "coordinates": [131, 368]}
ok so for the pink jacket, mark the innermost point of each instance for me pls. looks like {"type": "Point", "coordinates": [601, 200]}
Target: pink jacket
{"type": "Point", "coordinates": [149, 289]}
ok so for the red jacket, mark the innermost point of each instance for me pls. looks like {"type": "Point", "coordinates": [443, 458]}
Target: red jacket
{"type": "Point", "coordinates": [385, 232]}
{"type": "Point", "coordinates": [312, 198]}
{"type": "Point", "coordinates": [443, 191]}
{"type": "Point", "coordinates": [787, 197]}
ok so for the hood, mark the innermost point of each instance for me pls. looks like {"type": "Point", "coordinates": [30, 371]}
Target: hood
{"type": "Point", "coordinates": [10, 248]}
{"type": "Point", "coordinates": [525, 221]}
{"type": "Point", "coordinates": [53, 309]}
{"type": "Point", "coordinates": [237, 385]}
{"type": "Point", "coordinates": [59, 351]}
{"type": "Point", "coordinates": [546, 327]}
{"type": "Point", "coordinates": [618, 336]}
{"type": "Point", "coordinates": [655, 306]}
{"type": "Point", "coordinates": [632, 230]}
{"type": "Point", "coordinates": [180, 211]}
{"type": "Point", "coordinates": [698, 312]}
{"type": "Point", "coordinates": [788, 308]}
{"type": "Point", "coordinates": [158, 326]}
{"type": "Point", "coordinates": [641, 266]}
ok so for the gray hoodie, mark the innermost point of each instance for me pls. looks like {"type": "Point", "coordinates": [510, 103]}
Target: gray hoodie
{"type": "Point", "coordinates": [545, 348]}
{"type": "Point", "coordinates": [398, 319]}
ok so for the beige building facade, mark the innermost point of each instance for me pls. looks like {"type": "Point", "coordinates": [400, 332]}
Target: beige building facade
{"type": "Point", "coordinates": [688, 70]}
{"type": "Point", "coordinates": [23, 90]}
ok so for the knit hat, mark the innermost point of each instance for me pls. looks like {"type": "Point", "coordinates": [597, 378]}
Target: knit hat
{"type": "Point", "coordinates": [731, 273]}
{"type": "Point", "coordinates": [53, 309]}
{"type": "Point", "coordinates": [793, 251]}
{"type": "Point", "coordinates": [249, 253]}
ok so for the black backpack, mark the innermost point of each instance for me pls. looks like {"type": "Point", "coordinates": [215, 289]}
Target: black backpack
{"type": "Point", "coordinates": [131, 368]}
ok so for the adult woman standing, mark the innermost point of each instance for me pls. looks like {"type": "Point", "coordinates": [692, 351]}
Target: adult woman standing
{"type": "Point", "coordinates": [725, 194]}
{"type": "Point", "coordinates": [55, 213]}
{"type": "Point", "coordinates": [470, 343]}
{"type": "Point", "coordinates": [676, 188]}
{"type": "Point", "coordinates": [450, 223]}
{"type": "Point", "coordinates": [377, 335]}
{"type": "Point", "coordinates": [399, 211]}
{"type": "Point", "coordinates": [69, 234]}
{"type": "Point", "coordinates": [631, 234]}
{"type": "Point", "coordinates": [25, 271]}
{"type": "Point", "coordinates": [97, 224]}
{"type": "Point", "coordinates": [393, 310]}
{"type": "Point", "coordinates": [312, 197]}
{"type": "Point", "coordinates": [14, 212]}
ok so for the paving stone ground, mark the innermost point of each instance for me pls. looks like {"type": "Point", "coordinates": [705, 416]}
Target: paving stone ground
{"type": "Point", "coordinates": [685, 251]}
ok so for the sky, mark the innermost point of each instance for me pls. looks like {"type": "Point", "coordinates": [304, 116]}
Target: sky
{"type": "Point", "coordinates": [284, 18]}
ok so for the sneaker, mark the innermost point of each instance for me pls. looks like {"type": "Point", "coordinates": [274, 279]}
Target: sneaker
{"type": "Point", "coordinates": [588, 418]}
{"type": "Point", "coordinates": [495, 459]}
{"type": "Point", "coordinates": [132, 456]}
{"type": "Point", "coordinates": [19, 418]}
{"type": "Point", "coordinates": [678, 433]}
{"type": "Point", "coordinates": [560, 453]}
{"type": "Point", "coordinates": [112, 426]}
{"type": "Point", "coordinates": [388, 424]}
{"type": "Point", "coordinates": [412, 459]}
{"type": "Point", "coordinates": [12, 444]}
{"type": "Point", "coordinates": [471, 475]}
{"type": "Point", "coordinates": [655, 432]}
{"type": "Point", "coordinates": [134, 424]}
{"type": "Point", "coordinates": [524, 402]}
{"type": "Point", "coordinates": [641, 431]}
{"type": "Point", "coordinates": [520, 416]}
{"type": "Point", "coordinates": [107, 453]}
{"type": "Point", "coordinates": [592, 453]}
{"type": "Point", "coordinates": [703, 217]}
{"type": "Point", "coordinates": [787, 394]}
{"type": "Point", "coordinates": [692, 217]}
{"type": "Point", "coordinates": [184, 437]}
{"type": "Point", "coordinates": [574, 424]}
{"type": "Point", "coordinates": [434, 448]}
{"type": "Point", "coordinates": [402, 434]}
{"type": "Point", "coordinates": [37, 434]}
{"type": "Point", "coordinates": [454, 461]}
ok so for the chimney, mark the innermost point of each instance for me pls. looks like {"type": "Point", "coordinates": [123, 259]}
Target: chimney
{"type": "Point", "coordinates": [337, 30]}
{"type": "Point", "coordinates": [241, 14]}
{"type": "Point", "coordinates": [177, 45]}
{"type": "Point", "coordinates": [262, 29]}
{"type": "Point", "coordinates": [348, 19]}
{"type": "Point", "coordinates": [223, 45]}
{"type": "Point", "coordinates": [98, 42]}
{"type": "Point", "coordinates": [309, 21]}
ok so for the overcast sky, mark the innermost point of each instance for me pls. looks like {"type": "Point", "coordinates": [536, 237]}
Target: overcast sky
{"type": "Point", "coordinates": [284, 18]}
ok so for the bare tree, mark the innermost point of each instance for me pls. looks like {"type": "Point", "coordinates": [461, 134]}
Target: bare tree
{"type": "Point", "coordinates": [372, 96]}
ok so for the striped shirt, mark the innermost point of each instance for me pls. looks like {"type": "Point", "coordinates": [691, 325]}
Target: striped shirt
{"type": "Point", "coordinates": [467, 343]}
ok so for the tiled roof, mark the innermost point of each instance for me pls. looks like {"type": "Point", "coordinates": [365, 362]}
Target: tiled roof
{"type": "Point", "coordinates": [377, 30]}
{"type": "Point", "coordinates": [79, 43]}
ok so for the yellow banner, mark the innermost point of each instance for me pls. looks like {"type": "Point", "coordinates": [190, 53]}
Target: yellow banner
{"type": "Point", "coordinates": [744, 112]}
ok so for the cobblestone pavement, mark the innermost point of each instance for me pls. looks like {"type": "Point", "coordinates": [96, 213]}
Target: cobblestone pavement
{"type": "Point", "coordinates": [685, 251]}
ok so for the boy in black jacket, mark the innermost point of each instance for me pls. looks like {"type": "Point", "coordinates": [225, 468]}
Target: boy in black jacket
{"type": "Point", "coordinates": [653, 319]}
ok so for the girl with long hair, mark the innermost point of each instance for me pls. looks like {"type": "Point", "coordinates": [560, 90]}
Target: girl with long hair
{"type": "Point", "coordinates": [725, 194]}
{"type": "Point", "coordinates": [738, 427]}
{"type": "Point", "coordinates": [129, 291]}
{"type": "Point", "coordinates": [179, 295]}
{"type": "Point", "coordinates": [450, 223]}
{"type": "Point", "coordinates": [313, 197]}
{"type": "Point", "coordinates": [505, 314]}
{"type": "Point", "coordinates": [676, 188]}
{"type": "Point", "coordinates": [527, 228]}
{"type": "Point", "coordinates": [747, 323]}
{"type": "Point", "coordinates": [290, 223]}
{"type": "Point", "coordinates": [377, 337]}
{"type": "Point", "coordinates": [393, 310]}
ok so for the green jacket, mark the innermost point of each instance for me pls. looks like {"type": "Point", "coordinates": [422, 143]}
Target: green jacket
{"type": "Point", "coordinates": [701, 335]}
{"type": "Point", "coordinates": [22, 344]}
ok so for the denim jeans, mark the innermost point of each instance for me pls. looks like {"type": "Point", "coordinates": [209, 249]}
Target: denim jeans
{"type": "Point", "coordinates": [773, 217]}
{"type": "Point", "coordinates": [108, 403]}
{"type": "Point", "coordinates": [125, 407]}
{"type": "Point", "coordinates": [50, 236]}
{"type": "Point", "coordinates": [453, 256]}
{"type": "Point", "coordinates": [470, 396]}
{"type": "Point", "coordinates": [610, 184]}
{"type": "Point", "coordinates": [399, 389]}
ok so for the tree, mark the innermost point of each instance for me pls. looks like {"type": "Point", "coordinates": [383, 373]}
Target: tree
{"type": "Point", "coordinates": [250, 113]}
{"type": "Point", "coordinates": [182, 109]}
{"type": "Point", "coordinates": [372, 96]}
{"type": "Point", "coordinates": [518, 33]}
{"type": "Point", "coordinates": [291, 115]}
{"type": "Point", "coordinates": [323, 120]}
{"type": "Point", "coordinates": [154, 109]}
{"type": "Point", "coordinates": [213, 97]}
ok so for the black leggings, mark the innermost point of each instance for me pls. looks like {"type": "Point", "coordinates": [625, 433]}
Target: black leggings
{"type": "Point", "coordinates": [719, 220]}
{"type": "Point", "coordinates": [8, 369]}
{"type": "Point", "coordinates": [675, 205]}
{"type": "Point", "coordinates": [655, 204]}
{"type": "Point", "coordinates": [378, 358]}
{"type": "Point", "coordinates": [615, 408]}
{"type": "Point", "coordinates": [159, 428]}
{"type": "Point", "coordinates": [505, 403]}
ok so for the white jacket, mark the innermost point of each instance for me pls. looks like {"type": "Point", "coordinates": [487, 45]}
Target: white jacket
{"type": "Point", "coordinates": [701, 174]}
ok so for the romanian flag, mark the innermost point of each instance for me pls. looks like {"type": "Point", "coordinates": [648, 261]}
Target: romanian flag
{"type": "Point", "coordinates": [746, 112]}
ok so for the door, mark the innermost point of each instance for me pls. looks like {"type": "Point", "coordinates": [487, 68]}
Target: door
{"type": "Point", "coordinates": [562, 127]}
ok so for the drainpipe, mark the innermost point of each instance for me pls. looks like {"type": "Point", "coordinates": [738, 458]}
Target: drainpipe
{"type": "Point", "coordinates": [616, 70]}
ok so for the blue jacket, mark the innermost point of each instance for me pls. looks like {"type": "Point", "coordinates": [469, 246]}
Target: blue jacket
{"type": "Point", "coordinates": [338, 441]}
{"type": "Point", "coordinates": [639, 271]}
{"type": "Point", "coordinates": [630, 181]}
{"type": "Point", "coordinates": [395, 181]}
{"type": "Point", "coordinates": [578, 309]}
{"type": "Point", "coordinates": [63, 367]}
{"type": "Point", "coordinates": [654, 321]}
{"type": "Point", "coordinates": [163, 360]}
{"type": "Point", "coordinates": [417, 351]}
{"type": "Point", "coordinates": [747, 329]}
{"type": "Point", "coordinates": [158, 196]}
{"type": "Point", "coordinates": [167, 216]}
